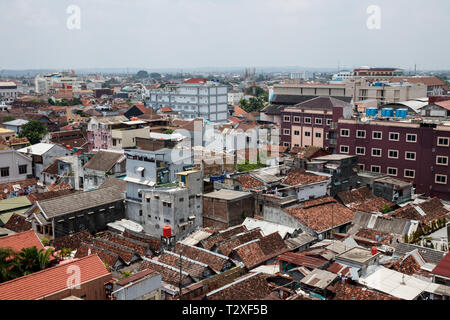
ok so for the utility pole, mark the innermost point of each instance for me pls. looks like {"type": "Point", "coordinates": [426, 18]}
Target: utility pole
{"type": "Point", "coordinates": [181, 274]}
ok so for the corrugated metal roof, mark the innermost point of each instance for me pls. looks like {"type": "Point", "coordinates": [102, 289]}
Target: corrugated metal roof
{"type": "Point", "coordinates": [268, 227]}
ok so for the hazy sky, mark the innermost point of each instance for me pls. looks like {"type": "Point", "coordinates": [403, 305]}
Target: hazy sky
{"type": "Point", "coordinates": [223, 33]}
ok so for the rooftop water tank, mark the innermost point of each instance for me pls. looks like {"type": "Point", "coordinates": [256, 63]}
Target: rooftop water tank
{"type": "Point", "coordinates": [401, 113]}
{"type": "Point", "coordinates": [371, 112]}
{"type": "Point", "coordinates": [167, 231]}
{"type": "Point", "coordinates": [387, 112]}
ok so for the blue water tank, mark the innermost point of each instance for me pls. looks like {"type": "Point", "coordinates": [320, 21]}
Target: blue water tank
{"type": "Point", "coordinates": [371, 112]}
{"type": "Point", "coordinates": [401, 113]}
{"type": "Point", "coordinates": [387, 112]}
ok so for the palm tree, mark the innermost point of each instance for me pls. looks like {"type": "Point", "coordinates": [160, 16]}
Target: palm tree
{"type": "Point", "coordinates": [32, 260]}
{"type": "Point", "coordinates": [8, 269]}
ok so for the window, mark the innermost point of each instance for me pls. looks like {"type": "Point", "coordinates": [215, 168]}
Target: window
{"type": "Point", "coordinates": [318, 135]}
{"type": "Point", "coordinates": [440, 178]}
{"type": "Point", "coordinates": [361, 150]}
{"type": "Point", "coordinates": [296, 133]}
{"type": "Point", "coordinates": [307, 134]}
{"type": "Point", "coordinates": [287, 118]}
{"type": "Point", "coordinates": [392, 171]}
{"type": "Point", "coordinates": [410, 155]}
{"type": "Point", "coordinates": [140, 213]}
{"type": "Point", "coordinates": [344, 149]}
{"type": "Point", "coordinates": [307, 120]}
{"type": "Point", "coordinates": [328, 122]}
{"type": "Point", "coordinates": [361, 166]}
{"type": "Point", "coordinates": [394, 136]}
{"type": "Point", "coordinates": [411, 137]}
{"type": "Point", "coordinates": [4, 172]}
{"type": "Point", "coordinates": [376, 169]}
{"type": "Point", "coordinates": [318, 120]}
{"type": "Point", "coordinates": [345, 133]}
{"type": "Point", "coordinates": [360, 133]}
{"type": "Point", "coordinates": [23, 169]}
{"type": "Point", "coordinates": [393, 154]}
{"type": "Point", "coordinates": [286, 132]}
{"type": "Point", "coordinates": [377, 135]}
{"type": "Point", "coordinates": [443, 142]}
{"type": "Point", "coordinates": [408, 173]}
{"type": "Point", "coordinates": [297, 119]}
{"type": "Point", "coordinates": [376, 152]}
{"type": "Point", "coordinates": [442, 160]}
{"type": "Point", "coordinates": [181, 199]}
{"type": "Point", "coordinates": [286, 144]}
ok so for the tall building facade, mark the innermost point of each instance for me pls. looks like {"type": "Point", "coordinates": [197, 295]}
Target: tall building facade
{"type": "Point", "coordinates": [416, 152]}
{"type": "Point", "coordinates": [192, 100]}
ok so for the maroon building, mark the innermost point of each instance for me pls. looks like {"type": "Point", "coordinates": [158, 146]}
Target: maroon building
{"type": "Point", "coordinates": [415, 152]}
{"type": "Point", "coordinates": [313, 122]}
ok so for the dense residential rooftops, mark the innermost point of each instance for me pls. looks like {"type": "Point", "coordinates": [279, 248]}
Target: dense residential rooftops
{"type": "Point", "coordinates": [300, 177]}
{"type": "Point", "coordinates": [253, 286]}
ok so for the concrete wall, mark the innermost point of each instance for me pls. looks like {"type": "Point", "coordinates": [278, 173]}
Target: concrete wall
{"type": "Point", "coordinates": [12, 159]}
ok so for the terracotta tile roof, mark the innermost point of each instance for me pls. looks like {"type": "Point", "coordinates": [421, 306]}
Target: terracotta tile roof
{"type": "Point", "coordinates": [258, 251]}
{"type": "Point", "coordinates": [339, 269]}
{"type": "Point", "coordinates": [214, 261]}
{"type": "Point", "coordinates": [345, 291]}
{"type": "Point", "coordinates": [170, 275]}
{"type": "Point", "coordinates": [249, 182]}
{"type": "Point", "coordinates": [125, 253]}
{"type": "Point", "coordinates": [223, 235]}
{"type": "Point", "coordinates": [444, 104]}
{"type": "Point", "coordinates": [252, 286]}
{"type": "Point", "coordinates": [141, 248]}
{"type": "Point", "coordinates": [196, 80]}
{"type": "Point", "coordinates": [52, 169]}
{"type": "Point", "coordinates": [60, 187]}
{"type": "Point", "coordinates": [72, 241]}
{"type": "Point", "coordinates": [17, 223]}
{"type": "Point", "coordinates": [235, 120]}
{"type": "Point", "coordinates": [19, 241]}
{"type": "Point", "coordinates": [355, 195]}
{"type": "Point", "coordinates": [433, 209]}
{"type": "Point", "coordinates": [302, 260]}
{"type": "Point", "coordinates": [321, 214]}
{"type": "Point", "coordinates": [227, 246]}
{"type": "Point", "coordinates": [51, 280]}
{"type": "Point", "coordinates": [364, 200]}
{"type": "Point", "coordinates": [137, 276]}
{"type": "Point", "coordinates": [238, 111]}
{"type": "Point", "coordinates": [443, 267]}
{"type": "Point", "coordinates": [300, 177]}
{"type": "Point", "coordinates": [195, 270]}
{"type": "Point", "coordinates": [407, 266]}
{"type": "Point", "coordinates": [39, 196]}
{"type": "Point", "coordinates": [107, 257]}
{"type": "Point", "coordinates": [166, 109]}
{"type": "Point", "coordinates": [154, 243]}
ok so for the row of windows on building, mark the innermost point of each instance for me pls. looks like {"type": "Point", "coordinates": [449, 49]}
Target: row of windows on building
{"type": "Point", "coordinates": [306, 120]}
{"type": "Point", "coordinates": [407, 173]}
{"type": "Point", "coordinates": [393, 136]}
{"type": "Point", "coordinates": [287, 132]}
{"type": "Point", "coordinates": [392, 154]}
{"type": "Point", "coordinates": [4, 172]}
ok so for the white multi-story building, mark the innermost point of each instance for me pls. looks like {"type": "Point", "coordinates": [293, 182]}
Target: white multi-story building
{"type": "Point", "coordinates": [8, 91]}
{"type": "Point", "coordinates": [234, 97]}
{"type": "Point", "coordinates": [160, 192]}
{"type": "Point", "coordinates": [45, 83]}
{"type": "Point", "coordinates": [192, 100]}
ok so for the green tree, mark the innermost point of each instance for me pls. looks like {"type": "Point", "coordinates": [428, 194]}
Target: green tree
{"type": "Point", "coordinates": [142, 74]}
{"type": "Point", "coordinates": [30, 260]}
{"type": "Point", "coordinates": [155, 75]}
{"type": "Point", "coordinates": [33, 131]}
{"type": "Point", "coordinates": [8, 266]}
